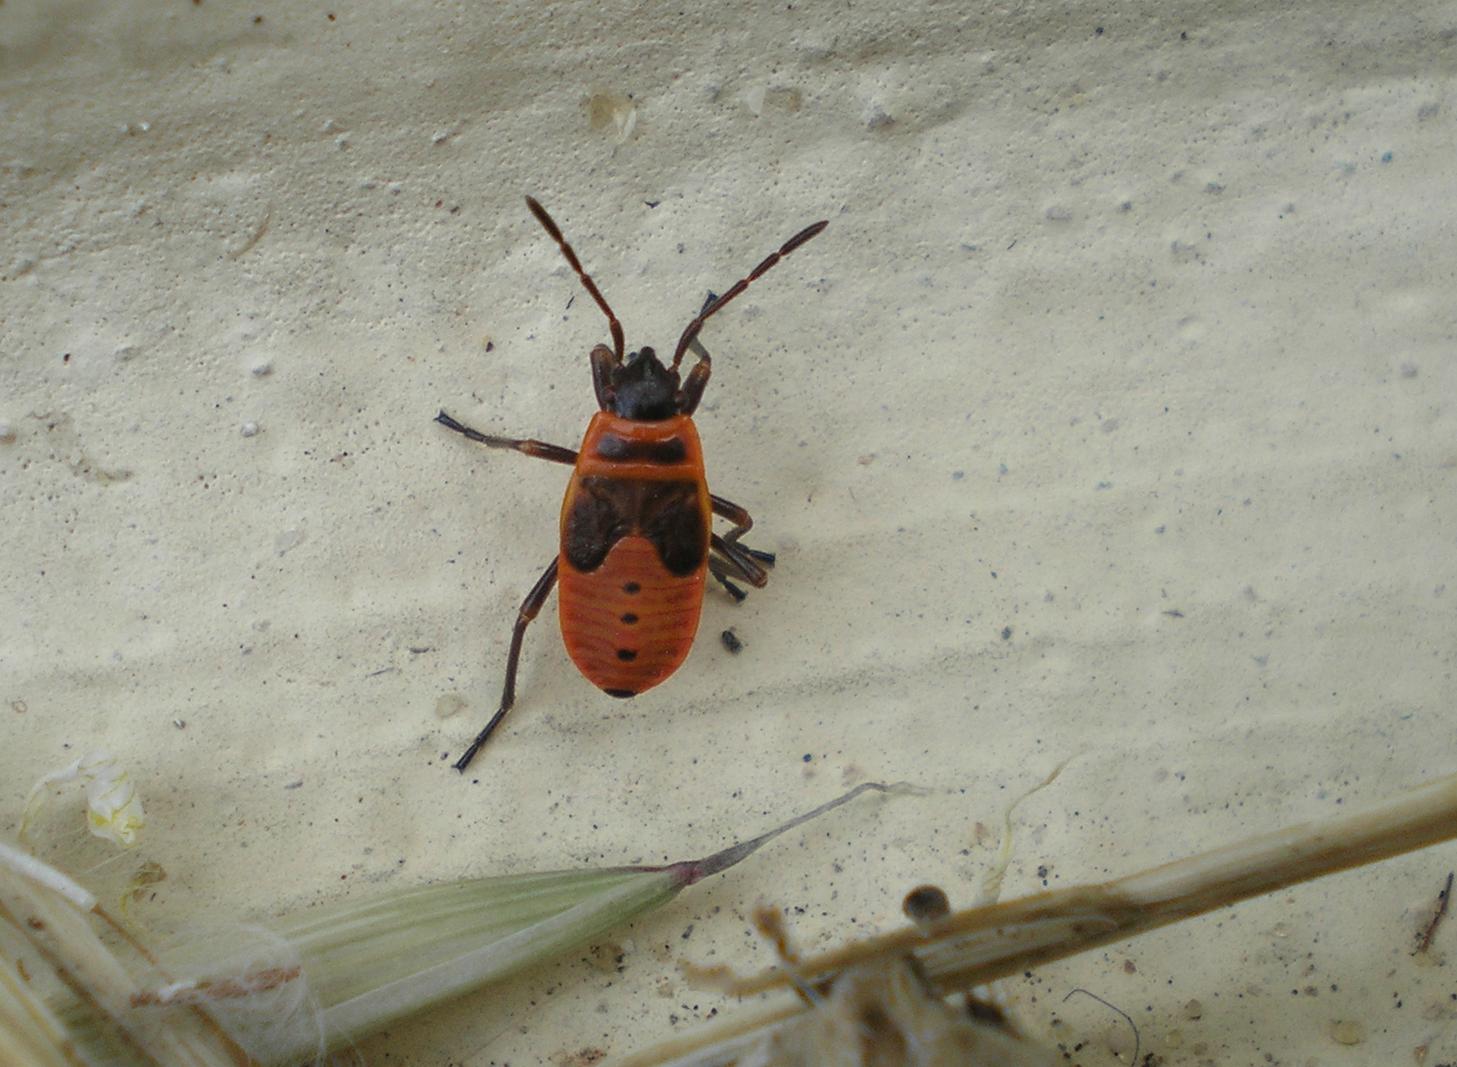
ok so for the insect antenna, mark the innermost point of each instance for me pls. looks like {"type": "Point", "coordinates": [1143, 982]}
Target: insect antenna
{"type": "Point", "coordinates": [552, 228]}
{"type": "Point", "coordinates": [697, 324]}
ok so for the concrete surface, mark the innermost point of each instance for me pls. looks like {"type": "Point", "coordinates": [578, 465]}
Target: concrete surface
{"type": "Point", "coordinates": [1114, 417]}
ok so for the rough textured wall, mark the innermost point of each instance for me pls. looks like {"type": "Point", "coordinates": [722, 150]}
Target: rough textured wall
{"type": "Point", "coordinates": [1113, 417]}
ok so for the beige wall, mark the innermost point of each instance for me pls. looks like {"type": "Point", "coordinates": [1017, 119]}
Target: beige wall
{"type": "Point", "coordinates": [1114, 417]}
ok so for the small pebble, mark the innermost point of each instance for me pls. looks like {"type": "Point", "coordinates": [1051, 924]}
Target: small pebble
{"type": "Point", "coordinates": [925, 904]}
{"type": "Point", "coordinates": [249, 429]}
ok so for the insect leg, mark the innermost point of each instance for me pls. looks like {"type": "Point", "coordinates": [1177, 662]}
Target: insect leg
{"type": "Point", "coordinates": [538, 449]}
{"type": "Point", "coordinates": [529, 609]}
{"type": "Point", "coordinates": [692, 390]}
{"type": "Point", "coordinates": [721, 569]}
{"type": "Point", "coordinates": [743, 523]}
{"type": "Point", "coordinates": [740, 559]}
{"type": "Point", "coordinates": [603, 363]}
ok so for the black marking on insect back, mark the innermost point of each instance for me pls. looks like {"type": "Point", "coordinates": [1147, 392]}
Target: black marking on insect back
{"type": "Point", "coordinates": [594, 524]}
{"type": "Point", "coordinates": [607, 509]}
{"type": "Point", "coordinates": [632, 587]}
{"type": "Point", "coordinates": [610, 446]}
{"type": "Point", "coordinates": [629, 618]}
{"type": "Point", "coordinates": [627, 655]}
{"type": "Point", "coordinates": [621, 694]}
{"type": "Point", "coordinates": [672, 519]}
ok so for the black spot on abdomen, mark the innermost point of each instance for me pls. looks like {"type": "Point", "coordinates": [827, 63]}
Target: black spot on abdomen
{"type": "Point", "coordinates": [622, 694]}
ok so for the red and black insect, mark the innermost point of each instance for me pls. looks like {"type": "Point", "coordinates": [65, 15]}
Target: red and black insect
{"type": "Point", "coordinates": [636, 527]}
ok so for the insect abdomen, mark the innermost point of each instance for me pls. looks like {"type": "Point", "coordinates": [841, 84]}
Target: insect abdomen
{"type": "Point", "coordinates": [629, 623]}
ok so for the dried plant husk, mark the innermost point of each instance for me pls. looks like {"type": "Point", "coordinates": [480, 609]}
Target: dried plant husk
{"type": "Point", "coordinates": [974, 946]}
{"type": "Point", "coordinates": [884, 1013]}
